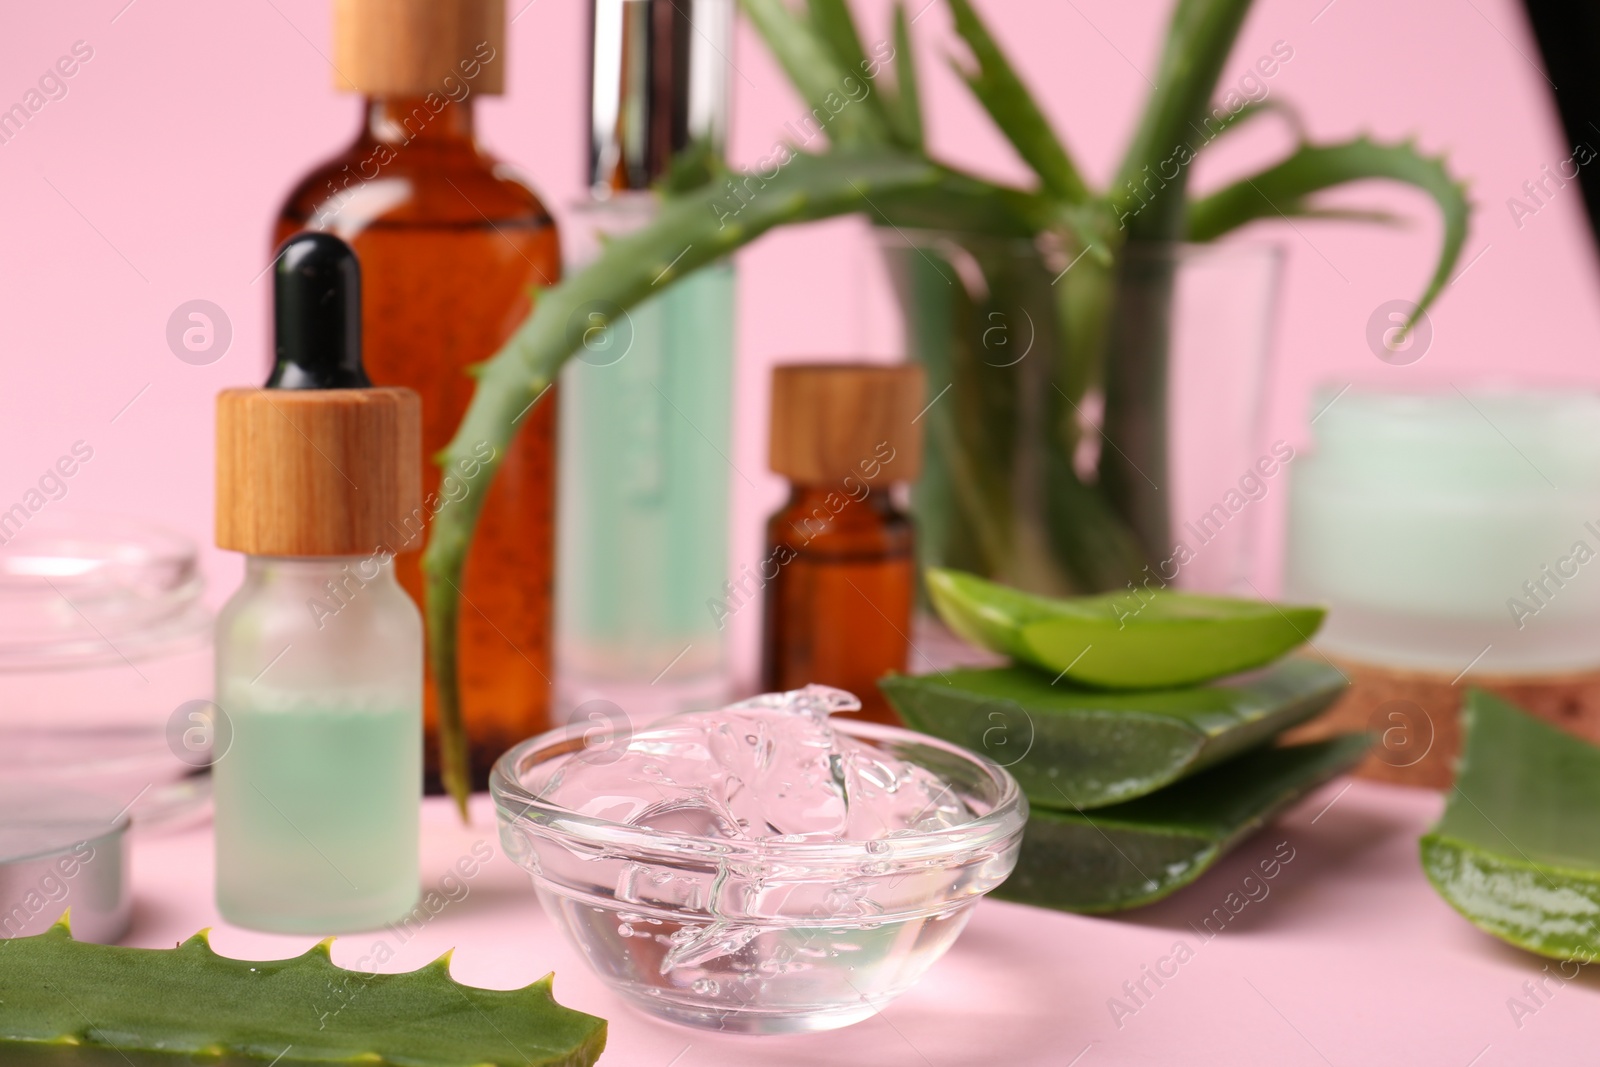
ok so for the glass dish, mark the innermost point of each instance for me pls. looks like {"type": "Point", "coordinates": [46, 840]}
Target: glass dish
{"type": "Point", "coordinates": [103, 642]}
{"type": "Point", "coordinates": [785, 936]}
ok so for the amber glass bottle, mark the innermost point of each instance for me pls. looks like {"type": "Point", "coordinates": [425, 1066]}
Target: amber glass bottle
{"type": "Point", "coordinates": [839, 571]}
{"type": "Point", "coordinates": [451, 246]}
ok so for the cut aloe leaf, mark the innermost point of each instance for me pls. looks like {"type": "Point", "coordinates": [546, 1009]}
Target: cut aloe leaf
{"type": "Point", "coordinates": [1071, 747]}
{"type": "Point", "coordinates": [1148, 639]}
{"type": "Point", "coordinates": [69, 1002]}
{"type": "Point", "coordinates": [1138, 852]}
{"type": "Point", "coordinates": [1517, 850]}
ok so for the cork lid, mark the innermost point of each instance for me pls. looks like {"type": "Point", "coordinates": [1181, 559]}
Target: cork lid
{"type": "Point", "coordinates": [319, 463]}
{"type": "Point", "coordinates": [319, 472]}
{"type": "Point", "coordinates": [836, 420]}
{"type": "Point", "coordinates": [417, 47]}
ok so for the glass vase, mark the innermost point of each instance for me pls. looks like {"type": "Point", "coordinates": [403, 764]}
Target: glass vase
{"type": "Point", "coordinates": [1096, 420]}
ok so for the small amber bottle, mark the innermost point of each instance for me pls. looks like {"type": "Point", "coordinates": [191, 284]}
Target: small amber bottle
{"type": "Point", "coordinates": [839, 571]}
{"type": "Point", "coordinates": [452, 245]}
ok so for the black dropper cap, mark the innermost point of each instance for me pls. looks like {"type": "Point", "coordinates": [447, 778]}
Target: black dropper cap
{"type": "Point", "coordinates": [316, 315]}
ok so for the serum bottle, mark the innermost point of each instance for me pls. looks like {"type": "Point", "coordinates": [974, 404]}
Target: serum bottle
{"type": "Point", "coordinates": [319, 654]}
{"type": "Point", "coordinates": [839, 571]}
{"type": "Point", "coordinates": [647, 404]}
{"type": "Point", "coordinates": [454, 245]}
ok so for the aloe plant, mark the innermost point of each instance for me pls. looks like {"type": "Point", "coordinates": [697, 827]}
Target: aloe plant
{"type": "Point", "coordinates": [1140, 851]}
{"type": "Point", "coordinates": [1072, 748]}
{"type": "Point", "coordinates": [1517, 850]}
{"type": "Point", "coordinates": [1151, 639]}
{"type": "Point", "coordinates": [1109, 333]}
{"type": "Point", "coordinates": [70, 1002]}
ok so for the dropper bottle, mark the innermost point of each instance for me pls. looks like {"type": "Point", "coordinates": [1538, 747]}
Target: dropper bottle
{"type": "Point", "coordinates": [319, 654]}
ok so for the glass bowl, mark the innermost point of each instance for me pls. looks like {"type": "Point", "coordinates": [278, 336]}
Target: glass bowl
{"type": "Point", "coordinates": [761, 937]}
{"type": "Point", "coordinates": [105, 664]}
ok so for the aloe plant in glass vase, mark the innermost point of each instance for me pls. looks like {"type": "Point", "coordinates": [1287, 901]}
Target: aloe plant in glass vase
{"type": "Point", "coordinates": [1103, 325]}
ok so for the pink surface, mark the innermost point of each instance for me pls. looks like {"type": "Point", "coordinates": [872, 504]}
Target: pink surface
{"type": "Point", "coordinates": [1347, 958]}
{"type": "Point", "coordinates": [154, 180]}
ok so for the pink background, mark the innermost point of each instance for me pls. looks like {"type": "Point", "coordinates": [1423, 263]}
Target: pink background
{"type": "Point", "coordinates": [153, 182]}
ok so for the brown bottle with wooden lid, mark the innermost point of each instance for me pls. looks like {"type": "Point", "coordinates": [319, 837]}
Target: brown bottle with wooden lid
{"type": "Point", "coordinates": [839, 571]}
{"type": "Point", "coordinates": [453, 244]}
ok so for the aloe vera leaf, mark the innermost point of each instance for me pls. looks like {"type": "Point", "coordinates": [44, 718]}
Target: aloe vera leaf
{"type": "Point", "coordinates": [1143, 850]}
{"type": "Point", "coordinates": [1517, 850]}
{"type": "Point", "coordinates": [1092, 543]}
{"type": "Point", "coordinates": [1072, 748]}
{"type": "Point", "coordinates": [690, 231]}
{"type": "Point", "coordinates": [1092, 538]}
{"type": "Point", "coordinates": [1199, 39]}
{"type": "Point", "coordinates": [1084, 298]}
{"type": "Point", "coordinates": [963, 498]}
{"type": "Point", "coordinates": [808, 58]}
{"type": "Point", "coordinates": [994, 81]}
{"type": "Point", "coordinates": [1215, 127]}
{"type": "Point", "coordinates": [1140, 639]}
{"type": "Point", "coordinates": [1281, 190]}
{"type": "Point", "coordinates": [1066, 537]}
{"type": "Point", "coordinates": [832, 22]}
{"type": "Point", "coordinates": [1089, 539]}
{"type": "Point", "coordinates": [61, 998]}
{"type": "Point", "coordinates": [1133, 462]}
{"type": "Point", "coordinates": [905, 110]}
{"type": "Point", "coordinates": [981, 612]}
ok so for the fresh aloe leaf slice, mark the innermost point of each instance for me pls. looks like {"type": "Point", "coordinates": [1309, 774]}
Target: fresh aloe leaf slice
{"type": "Point", "coordinates": [1136, 853]}
{"type": "Point", "coordinates": [1071, 747]}
{"type": "Point", "coordinates": [1148, 639]}
{"type": "Point", "coordinates": [1517, 850]}
{"type": "Point", "coordinates": [70, 1002]}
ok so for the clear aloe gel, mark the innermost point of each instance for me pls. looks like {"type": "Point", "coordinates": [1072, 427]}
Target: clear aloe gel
{"type": "Point", "coordinates": [318, 780]}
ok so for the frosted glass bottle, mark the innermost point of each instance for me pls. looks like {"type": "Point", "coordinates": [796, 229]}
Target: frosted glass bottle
{"type": "Point", "coordinates": [319, 673]}
{"type": "Point", "coordinates": [646, 427]}
{"type": "Point", "coordinates": [318, 765]}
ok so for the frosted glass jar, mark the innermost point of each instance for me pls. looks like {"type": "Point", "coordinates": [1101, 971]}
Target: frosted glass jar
{"type": "Point", "coordinates": [103, 639]}
{"type": "Point", "coordinates": [1452, 528]}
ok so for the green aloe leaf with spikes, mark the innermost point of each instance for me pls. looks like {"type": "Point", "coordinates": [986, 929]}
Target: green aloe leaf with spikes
{"type": "Point", "coordinates": [1002, 93]}
{"type": "Point", "coordinates": [1094, 309]}
{"type": "Point", "coordinates": [69, 1003]}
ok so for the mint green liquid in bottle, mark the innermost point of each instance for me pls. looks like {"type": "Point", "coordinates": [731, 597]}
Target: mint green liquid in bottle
{"type": "Point", "coordinates": [318, 777]}
{"type": "Point", "coordinates": [647, 403]}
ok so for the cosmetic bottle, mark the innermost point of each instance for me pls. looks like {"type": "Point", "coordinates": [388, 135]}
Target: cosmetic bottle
{"type": "Point", "coordinates": [647, 401]}
{"type": "Point", "coordinates": [839, 571]}
{"type": "Point", "coordinates": [318, 740]}
{"type": "Point", "coordinates": [452, 245]}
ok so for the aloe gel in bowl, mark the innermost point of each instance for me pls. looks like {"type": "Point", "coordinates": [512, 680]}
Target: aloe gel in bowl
{"type": "Point", "coordinates": [761, 868]}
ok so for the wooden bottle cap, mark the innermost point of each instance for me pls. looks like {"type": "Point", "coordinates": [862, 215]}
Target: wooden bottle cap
{"type": "Point", "coordinates": [409, 47]}
{"type": "Point", "coordinates": [319, 472]}
{"type": "Point", "coordinates": [836, 420]}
